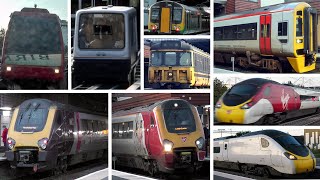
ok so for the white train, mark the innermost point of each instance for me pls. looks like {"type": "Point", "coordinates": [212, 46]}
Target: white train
{"type": "Point", "coordinates": [105, 44]}
{"type": "Point", "coordinates": [266, 152]}
{"type": "Point", "coordinates": [277, 38]}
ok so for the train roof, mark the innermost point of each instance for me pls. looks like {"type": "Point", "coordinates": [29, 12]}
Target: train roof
{"type": "Point", "coordinates": [110, 8]}
{"type": "Point", "coordinates": [144, 108]}
{"type": "Point", "coordinates": [260, 11]}
{"type": "Point", "coordinates": [257, 81]}
{"type": "Point", "coordinates": [182, 5]}
{"type": "Point", "coordinates": [173, 44]}
{"type": "Point", "coordinates": [270, 132]}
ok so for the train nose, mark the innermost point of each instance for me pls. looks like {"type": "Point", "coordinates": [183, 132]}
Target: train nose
{"type": "Point", "coordinates": [304, 166]}
{"type": "Point", "coordinates": [230, 115]}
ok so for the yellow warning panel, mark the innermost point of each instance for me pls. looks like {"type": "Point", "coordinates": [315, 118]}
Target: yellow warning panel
{"type": "Point", "coordinates": [165, 20]}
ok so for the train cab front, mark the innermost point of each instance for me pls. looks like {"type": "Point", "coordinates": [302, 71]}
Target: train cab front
{"type": "Point", "coordinates": [236, 105]}
{"type": "Point", "coordinates": [183, 140]}
{"type": "Point", "coordinates": [170, 66]}
{"type": "Point", "coordinates": [105, 44]}
{"type": "Point", "coordinates": [28, 137]}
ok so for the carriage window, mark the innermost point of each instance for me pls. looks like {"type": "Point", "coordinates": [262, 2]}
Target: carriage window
{"type": "Point", "coordinates": [218, 33]}
{"type": "Point", "coordinates": [89, 122]}
{"type": "Point", "coordinates": [121, 130]}
{"type": "Point", "coordinates": [247, 31]}
{"type": "Point", "coordinates": [283, 29]}
{"type": "Point", "coordinates": [229, 33]}
{"type": "Point", "coordinates": [264, 143]}
{"type": "Point", "coordinates": [216, 149]}
{"type": "Point", "coordinates": [185, 59]}
{"type": "Point", "coordinates": [115, 131]}
{"type": "Point", "coordinates": [101, 31]}
{"type": "Point", "coordinates": [95, 126]}
{"type": "Point", "coordinates": [130, 130]}
{"type": "Point", "coordinates": [125, 130]}
{"type": "Point", "coordinates": [299, 26]}
{"type": "Point", "coordinates": [225, 146]}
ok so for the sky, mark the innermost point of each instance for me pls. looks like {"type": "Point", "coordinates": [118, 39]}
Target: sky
{"type": "Point", "coordinates": [270, 2]}
{"type": "Point", "coordinates": [59, 7]}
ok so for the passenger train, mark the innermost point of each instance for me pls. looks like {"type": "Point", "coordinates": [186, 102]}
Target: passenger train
{"type": "Point", "coordinates": [264, 153]}
{"type": "Point", "coordinates": [105, 44]}
{"type": "Point", "coordinates": [278, 38]}
{"type": "Point", "coordinates": [177, 64]}
{"type": "Point", "coordinates": [46, 135]}
{"type": "Point", "coordinates": [165, 137]}
{"type": "Point", "coordinates": [33, 50]}
{"type": "Point", "coordinates": [262, 101]}
{"type": "Point", "coordinates": [169, 17]}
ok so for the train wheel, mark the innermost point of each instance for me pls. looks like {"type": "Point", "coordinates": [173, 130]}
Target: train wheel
{"type": "Point", "coordinates": [244, 169]}
{"type": "Point", "coordinates": [266, 173]}
{"type": "Point", "coordinates": [278, 67]}
{"type": "Point", "coordinates": [153, 170]}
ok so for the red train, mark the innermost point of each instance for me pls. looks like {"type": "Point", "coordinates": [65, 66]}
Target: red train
{"type": "Point", "coordinates": [164, 137]}
{"type": "Point", "coordinates": [262, 101]}
{"type": "Point", "coordinates": [33, 49]}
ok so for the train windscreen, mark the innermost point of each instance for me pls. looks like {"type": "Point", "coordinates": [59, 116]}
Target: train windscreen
{"type": "Point", "coordinates": [239, 94]}
{"type": "Point", "coordinates": [32, 117]}
{"type": "Point", "coordinates": [171, 59]}
{"type": "Point", "coordinates": [292, 145]}
{"type": "Point", "coordinates": [178, 117]}
{"type": "Point", "coordinates": [34, 40]}
{"type": "Point", "coordinates": [101, 31]}
{"type": "Point", "coordinates": [155, 14]}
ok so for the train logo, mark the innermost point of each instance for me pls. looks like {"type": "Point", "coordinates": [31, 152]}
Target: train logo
{"type": "Point", "coordinates": [184, 139]}
{"type": "Point", "coordinates": [285, 100]}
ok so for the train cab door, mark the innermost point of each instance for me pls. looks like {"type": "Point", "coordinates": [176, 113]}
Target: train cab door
{"type": "Point", "coordinates": [265, 34]}
{"type": "Point", "coordinates": [151, 135]}
{"type": "Point", "coordinates": [165, 20]}
{"type": "Point", "coordinates": [225, 151]}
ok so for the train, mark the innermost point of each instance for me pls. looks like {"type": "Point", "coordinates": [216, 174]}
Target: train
{"type": "Point", "coordinates": [105, 44]}
{"type": "Point", "coordinates": [169, 17]}
{"type": "Point", "coordinates": [264, 153]}
{"type": "Point", "coordinates": [163, 138]}
{"type": "Point", "coordinates": [278, 38]}
{"type": "Point", "coordinates": [45, 135]}
{"type": "Point", "coordinates": [33, 50]}
{"type": "Point", "coordinates": [177, 64]}
{"type": "Point", "coordinates": [263, 101]}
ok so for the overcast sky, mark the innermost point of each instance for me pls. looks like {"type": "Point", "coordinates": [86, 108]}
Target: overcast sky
{"type": "Point", "coordinates": [59, 7]}
{"type": "Point", "coordinates": [271, 2]}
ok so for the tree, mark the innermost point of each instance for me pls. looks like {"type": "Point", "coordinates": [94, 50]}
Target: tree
{"type": "Point", "coordinates": [219, 89]}
{"type": "Point", "coordinates": [242, 133]}
{"type": "Point", "coordinates": [2, 34]}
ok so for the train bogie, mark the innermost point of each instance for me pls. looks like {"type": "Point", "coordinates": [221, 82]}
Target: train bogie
{"type": "Point", "coordinates": [105, 44]}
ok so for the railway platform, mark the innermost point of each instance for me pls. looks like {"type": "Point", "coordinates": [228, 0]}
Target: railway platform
{"type": "Point", "coordinates": [225, 176]}
{"type": "Point", "coordinates": [116, 175]}
{"type": "Point", "coordinates": [2, 155]}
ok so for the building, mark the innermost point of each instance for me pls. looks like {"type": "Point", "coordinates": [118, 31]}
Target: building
{"type": "Point", "coordinates": [222, 7]}
{"type": "Point", "coordinates": [312, 138]}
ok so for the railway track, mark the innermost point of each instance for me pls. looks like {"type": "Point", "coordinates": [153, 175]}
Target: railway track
{"type": "Point", "coordinates": [305, 121]}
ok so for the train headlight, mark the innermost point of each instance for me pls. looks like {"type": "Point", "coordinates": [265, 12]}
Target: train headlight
{"type": "Point", "coordinates": [200, 143]}
{"type": "Point", "coordinates": [42, 143]}
{"type": "Point", "coordinates": [170, 74]}
{"type": "Point", "coordinates": [11, 143]}
{"type": "Point", "coordinates": [56, 71]}
{"type": "Point", "coordinates": [290, 156]}
{"type": "Point", "coordinates": [247, 106]}
{"type": "Point", "coordinates": [218, 105]}
{"type": "Point", "coordinates": [167, 145]}
{"type": "Point", "coordinates": [299, 41]}
{"type": "Point", "coordinates": [9, 68]}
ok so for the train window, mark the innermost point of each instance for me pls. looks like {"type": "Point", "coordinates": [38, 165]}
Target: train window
{"type": "Point", "coordinates": [229, 32]}
{"type": "Point", "coordinates": [283, 29]}
{"type": "Point", "coordinates": [268, 30]}
{"type": "Point", "coordinates": [247, 31]}
{"type": "Point", "coordinates": [121, 129]}
{"type": "Point", "coordinates": [101, 31]}
{"type": "Point", "coordinates": [185, 59]}
{"type": "Point", "coordinates": [218, 32]}
{"type": "Point", "coordinates": [225, 146]}
{"type": "Point", "coordinates": [264, 143]}
{"type": "Point", "coordinates": [125, 130]}
{"type": "Point", "coordinates": [151, 120]}
{"type": "Point", "coordinates": [95, 126]}
{"type": "Point", "coordinates": [84, 125]}
{"type": "Point", "coordinates": [299, 26]}
{"type": "Point", "coordinates": [216, 149]}
{"type": "Point", "coordinates": [177, 15]}
{"type": "Point", "coordinates": [299, 13]}
{"type": "Point", "coordinates": [267, 92]}
{"type": "Point", "coordinates": [86, 3]}
{"type": "Point", "coordinates": [155, 14]}
{"type": "Point", "coordinates": [170, 58]}
{"type": "Point", "coordinates": [156, 59]}
{"type": "Point", "coordinates": [90, 128]}
{"type": "Point", "coordinates": [130, 130]}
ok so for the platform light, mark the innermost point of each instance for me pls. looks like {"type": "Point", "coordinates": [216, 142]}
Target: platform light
{"type": "Point", "coordinates": [6, 108]}
{"type": "Point", "coordinates": [9, 68]}
{"type": "Point", "coordinates": [56, 71]}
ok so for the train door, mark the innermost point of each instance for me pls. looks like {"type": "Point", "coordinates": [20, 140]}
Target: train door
{"type": "Point", "coordinates": [152, 135]}
{"type": "Point", "coordinates": [265, 34]}
{"type": "Point", "coordinates": [165, 20]}
{"type": "Point", "coordinates": [225, 151]}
